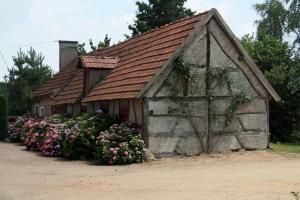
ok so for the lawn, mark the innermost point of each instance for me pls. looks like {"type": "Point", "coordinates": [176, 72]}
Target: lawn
{"type": "Point", "coordinates": [285, 148]}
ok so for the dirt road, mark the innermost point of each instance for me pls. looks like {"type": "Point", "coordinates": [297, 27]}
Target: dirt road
{"type": "Point", "coordinates": [243, 175]}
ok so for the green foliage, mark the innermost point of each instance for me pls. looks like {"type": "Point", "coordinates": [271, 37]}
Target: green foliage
{"type": "Point", "coordinates": [15, 130]}
{"type": "Point", "coordinates": [273, 17]}
{"type": "Point", "coordinates": [3, 88]}
{"type": "Point", "coordinates": [80, 49]}
{"type": "Point", "coordinates": [85, 137]}
{"type": "Point", "coordinates": [80, 133]}
{"type": "Point", "coordinates": [156, 13]}
{"type": "Point", "coordinates": [27, 74]}
{"type": "Point", "coordinates": [219, 74]}
{"type": "Point", "coordinates": [293, 22]}
{"type": "Point", "coordinates": [182, 96]}
{"type": "Point", "coordinates": [285, 148]}
{"type": "Point", "coordinates": [268, 52]}
{"type": "Point", "coordinates": [102, 44]}
{"type": "Point", "coordinates": [3, 117]}
{"type": "Point", "coordinates": [275, 59]}
{"type": "Point", "coordinates": [236, 100]}
{"type": "Point", "coordinates": [280, 18]}
{"type": "Point", "coordinates": [120, 144]}
{"type": "Point", "coordinates": [182, 68]}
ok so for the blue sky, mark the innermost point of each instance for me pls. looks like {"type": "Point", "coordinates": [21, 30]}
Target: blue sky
{"type": "Point", "coordinates": [46, 21]}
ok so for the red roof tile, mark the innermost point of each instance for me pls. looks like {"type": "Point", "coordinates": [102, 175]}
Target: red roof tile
{"type": "Point", "coordinates": [72, 92]}
{"type": "Point", "coordinates": [99, 62]}
{"type": "Point", "coordinates": [58, 80]}
{"type": "Point", "coordinates": [141, 58]}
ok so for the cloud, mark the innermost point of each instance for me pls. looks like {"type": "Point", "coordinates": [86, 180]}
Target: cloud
{"type": "Point", "coordinates": [71, 20]}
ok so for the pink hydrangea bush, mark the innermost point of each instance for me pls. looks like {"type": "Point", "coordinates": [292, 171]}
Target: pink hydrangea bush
{"type": "Point", "coordinates": [15, 130]}
{"type": "Point", "coordinates": [51, 142]}
{"type": "Point", "coordinates": [70, 144]}
{"type": "Point", "coordinates": [119, 145]}
{"type": "Point", "coordinates": [78, 138]}
{"type": "Point", "coordinates": [35, 133]}
{"type": "Point", "coordinates": [26, 129]}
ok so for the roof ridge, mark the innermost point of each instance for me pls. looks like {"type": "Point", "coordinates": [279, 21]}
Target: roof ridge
{"type": "Point", "coordinates": [152, 30]}
{"type": "Point", "coordinates": [101, 57]}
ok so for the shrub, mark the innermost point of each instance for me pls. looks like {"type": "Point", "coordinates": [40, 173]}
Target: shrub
{"type": "Point", "coordinates": [15, 130]}
{"type": "Point", "coordinates": [119, 145]}
{"type": "Point", "coordinates": [51, 142]}
{"type": "Point", "coordinates": [3, 117]}
{"type": "Point", "coordinates": [26, 129]}
{"type": "Point", "coordinates": [37, 132]}
{"type": "Point", "coordinates": [79, 136]}
{"type": "Point", "coordinates": [69, 145]}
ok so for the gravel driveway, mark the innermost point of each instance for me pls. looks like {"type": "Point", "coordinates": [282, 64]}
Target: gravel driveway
{"type": "Point", "coordinates": [243, 175]}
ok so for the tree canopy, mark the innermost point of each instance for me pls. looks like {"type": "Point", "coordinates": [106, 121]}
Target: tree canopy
{"type": "Point", "coordinates": [156, 13]}
{"type": "Point", "coordinates": [273, 17]}
{"type": "Point", "coordinates": [102, 44]}
{"type": "Point", "coordinates": [27, 74]}
{"type": "Point", "coordinates": [279, 60]}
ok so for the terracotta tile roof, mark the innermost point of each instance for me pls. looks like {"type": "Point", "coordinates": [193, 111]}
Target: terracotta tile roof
{"type": "Point", "coordinates": [72, 92]}
{"type": "Point", "coordinates": [58, 80]}
{"type": "Point", "coordinates": [99, 62]}
{"type": "Point", "coordinates": [141, 58]}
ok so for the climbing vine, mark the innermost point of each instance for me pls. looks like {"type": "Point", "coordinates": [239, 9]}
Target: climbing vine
{"type": "Point", "coordinates": [236, 100]}
{"type": "Point", "coordinates": [217, 74]}
{"type": "Point", "coordinates": [183, 96]}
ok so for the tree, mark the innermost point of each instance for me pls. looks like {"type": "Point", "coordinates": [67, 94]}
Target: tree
{"type": "Point", "coordinates": [80, 48]}
{"type": "Point", "coordinates": [293, 22]}
{"type": "Point", "coordinates": [27, 74]}
{"type": "Point", "coordinates": [275, 58]}
{"type": "Point", "coordinates": [2, 88]}
{"type": "Point", "coordinates": [273, 18]}
{"type": "Point", "coordinates": [102, 44]}
{"type": "Point", "coordinates": [157, 13]}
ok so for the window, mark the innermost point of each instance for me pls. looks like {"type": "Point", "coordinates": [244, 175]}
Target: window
{"type": "Point", "coordinates": [124, 110]}
{"type": "Point", "coordinates": [36, 113]}
{"type": "Point", "coordinates": [42, 114]}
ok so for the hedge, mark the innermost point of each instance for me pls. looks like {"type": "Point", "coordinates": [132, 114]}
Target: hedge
{"type": "Point", "coordinates": [3, 117]}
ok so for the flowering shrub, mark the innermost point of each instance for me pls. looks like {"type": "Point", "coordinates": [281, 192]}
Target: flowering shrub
{"type": "Point", "coordinates": [80, 134]}
{"type": "Point", "coordinates": [51, 142]}
{"type": "Point", "coordinates": [119, 145]}
{"type": "Point", "coordinates": [15, 130]}
{"type": "Point", "coordinates": [69, 145]}
{"type": "Point", "coordinates": [26, 129]}
{"type": "Point", "coordinates": [34, 138]}
{"type": "Point", "coordinates": [79, 138]}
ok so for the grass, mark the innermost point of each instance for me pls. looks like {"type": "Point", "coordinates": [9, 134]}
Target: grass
{"type": "Point", "coordinates": [285, 148]}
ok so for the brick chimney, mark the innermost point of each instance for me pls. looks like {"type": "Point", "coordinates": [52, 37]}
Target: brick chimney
{"type": "Point", "coordinates": [67, 52]}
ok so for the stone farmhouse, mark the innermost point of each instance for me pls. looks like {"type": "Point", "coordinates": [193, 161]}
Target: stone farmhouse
{"type": "Point", "coordinates": [190, 85]}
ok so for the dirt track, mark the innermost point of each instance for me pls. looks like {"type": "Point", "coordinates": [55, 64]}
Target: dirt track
{"type": "Point", "coordinates": [247, 175]}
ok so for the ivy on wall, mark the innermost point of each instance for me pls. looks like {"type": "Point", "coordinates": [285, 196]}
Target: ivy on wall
{"type": "Point", "coordinates": [183, 96]}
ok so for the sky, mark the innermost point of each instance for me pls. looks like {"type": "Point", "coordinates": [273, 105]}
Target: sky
{"type": "Point", "coordinates": [41, 23]}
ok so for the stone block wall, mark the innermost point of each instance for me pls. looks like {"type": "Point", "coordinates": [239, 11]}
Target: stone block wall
{"type": "Point", "coordinates": [169, 130]}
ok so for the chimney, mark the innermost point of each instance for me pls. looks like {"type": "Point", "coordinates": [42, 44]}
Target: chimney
{"type": "Point", "coordinates": [67, 52]}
